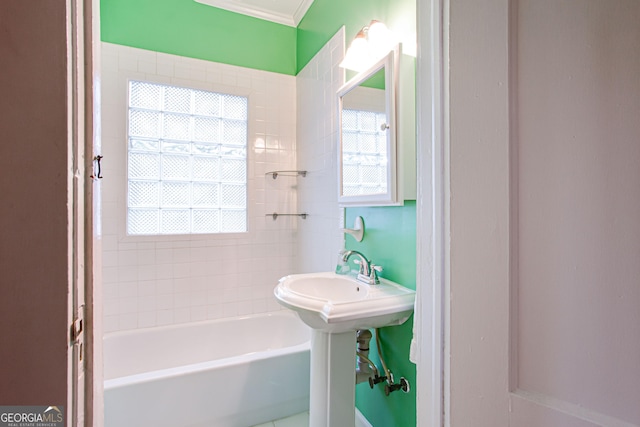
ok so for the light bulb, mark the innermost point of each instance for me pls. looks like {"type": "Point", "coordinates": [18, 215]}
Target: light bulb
{"type": "Point", "coordinates": [381, 39]}
{"type": "Point", "coordinates": [370, 44]}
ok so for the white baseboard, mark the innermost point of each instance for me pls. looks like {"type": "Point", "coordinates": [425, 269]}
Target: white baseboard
{"type": "Point", "coordinates": [361, 421]}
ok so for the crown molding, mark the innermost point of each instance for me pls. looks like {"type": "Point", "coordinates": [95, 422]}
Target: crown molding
{"type": "Point", "coordinates": [291, 20]}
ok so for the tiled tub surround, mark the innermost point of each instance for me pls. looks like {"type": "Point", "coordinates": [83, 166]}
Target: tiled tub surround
{"type": "Point", "coordinates": [317, 139]}
{"type": "Point", "coordinates": [161, 280]}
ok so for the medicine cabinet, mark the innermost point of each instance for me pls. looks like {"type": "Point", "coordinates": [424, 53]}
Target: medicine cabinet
{"type": "Point", "coordinates": [376, 147]}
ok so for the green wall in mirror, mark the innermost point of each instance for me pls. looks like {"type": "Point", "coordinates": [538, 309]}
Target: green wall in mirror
{"type": "Point", "coordinates": [376, 81]}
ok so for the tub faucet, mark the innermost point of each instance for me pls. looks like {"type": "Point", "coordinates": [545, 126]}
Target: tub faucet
{"type": "Point", "coordinates": [368, 271]}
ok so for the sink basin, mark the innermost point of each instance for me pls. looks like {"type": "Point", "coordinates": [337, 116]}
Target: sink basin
{"type": "Point", "coordinates": [336, 303]}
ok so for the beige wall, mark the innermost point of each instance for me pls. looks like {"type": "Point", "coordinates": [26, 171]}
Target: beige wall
{"type": "Point", "coordinates": [33, 211]}
{"type": "Point", "coordinates": [544, 207]}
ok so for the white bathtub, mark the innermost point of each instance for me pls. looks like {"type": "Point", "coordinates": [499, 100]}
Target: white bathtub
{"type": "Point", "coordinates": [224, 373]}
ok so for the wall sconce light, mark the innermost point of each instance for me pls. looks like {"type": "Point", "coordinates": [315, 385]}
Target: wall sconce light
{"type": "Point", "coordinates": [370, 44]}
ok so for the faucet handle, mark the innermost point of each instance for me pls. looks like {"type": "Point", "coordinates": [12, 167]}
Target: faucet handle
{"type": "Point", "coordinates": [374, 269]}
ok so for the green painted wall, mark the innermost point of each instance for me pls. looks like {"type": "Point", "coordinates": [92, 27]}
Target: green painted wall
{"type": "Point", "coordinates": [325, 17]}
{"type": "Point", "coordinates": [390, 241]}
{"type": "Point", "coordinates": [191, 29]}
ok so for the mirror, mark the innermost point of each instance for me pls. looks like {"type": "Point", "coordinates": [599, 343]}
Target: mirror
{"type": "Point", "coordinates": [367, 161]}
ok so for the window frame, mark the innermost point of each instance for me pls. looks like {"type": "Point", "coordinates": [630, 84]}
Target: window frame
{"type": "Point", "coordinates": [185, 237]}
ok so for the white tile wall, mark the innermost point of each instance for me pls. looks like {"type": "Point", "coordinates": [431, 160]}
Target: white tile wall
{"type": "Point", "coordinates": [150, 281]}
{"type": "Point", "coordinates": [319, 239]}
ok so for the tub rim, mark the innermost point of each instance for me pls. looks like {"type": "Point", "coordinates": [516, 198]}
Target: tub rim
{"type": "Point", "coordinates": [173, 326]}
{"type": "Point", "coordinates": [144, 377]}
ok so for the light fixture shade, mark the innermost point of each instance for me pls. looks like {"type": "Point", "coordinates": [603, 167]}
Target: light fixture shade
{"type": "Point", "coordinates": [370, 44]}
{"type": "Point", "coordinates": [358, 54]}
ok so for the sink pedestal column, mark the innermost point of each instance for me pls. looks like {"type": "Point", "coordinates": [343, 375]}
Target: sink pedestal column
{"type": "Point", "coordinates": [333, 384]}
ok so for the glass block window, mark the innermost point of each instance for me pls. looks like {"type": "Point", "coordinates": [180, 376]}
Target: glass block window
{"type": "Point", "coordinates": [364, 153]}
{"type": "Point", "coordinates": [187, 161]}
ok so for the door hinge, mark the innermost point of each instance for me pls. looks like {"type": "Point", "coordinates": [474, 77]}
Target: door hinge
{"type": "Point", "coordinates": [76, 330]}
{"type": "Point", "coordinates": [76, 333]}
{"type": "Point", "coordinates": [77, 326]}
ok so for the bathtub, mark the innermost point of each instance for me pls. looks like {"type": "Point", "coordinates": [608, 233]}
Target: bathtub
{"type": "Point", "coordinates": [235, 372]}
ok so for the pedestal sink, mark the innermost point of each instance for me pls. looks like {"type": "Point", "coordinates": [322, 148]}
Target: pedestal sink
{"type": "Point", "coordinates": [335, 306]}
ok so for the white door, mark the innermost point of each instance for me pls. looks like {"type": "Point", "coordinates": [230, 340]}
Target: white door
{"type": "Point", "coordinates": [544, 149]}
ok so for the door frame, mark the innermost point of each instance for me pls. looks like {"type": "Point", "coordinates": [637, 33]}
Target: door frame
{"type": "Point", "coordinates": [431, 216]}
{"type": "Point", "coordinates": [84, 355]}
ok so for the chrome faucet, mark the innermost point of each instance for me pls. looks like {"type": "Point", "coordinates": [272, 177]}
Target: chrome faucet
{"type": "Point", "coordinates": [368, 272]}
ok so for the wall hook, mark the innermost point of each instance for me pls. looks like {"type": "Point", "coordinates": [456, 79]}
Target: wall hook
{"type": "Point", "coordinates": [357, 232]}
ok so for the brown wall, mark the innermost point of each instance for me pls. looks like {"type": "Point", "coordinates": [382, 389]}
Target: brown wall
{"type": "Point", "coordinates": [33, 198]}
